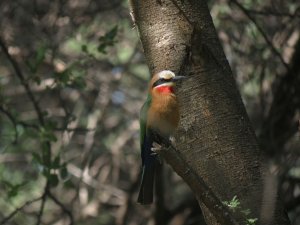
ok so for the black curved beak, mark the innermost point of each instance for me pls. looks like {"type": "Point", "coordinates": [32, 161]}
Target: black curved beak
{"type": "Point", "coordinates": [178, 78]}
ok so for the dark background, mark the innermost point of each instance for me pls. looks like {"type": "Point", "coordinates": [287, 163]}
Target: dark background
{"type": "Point", "coordinates": [72, 80]}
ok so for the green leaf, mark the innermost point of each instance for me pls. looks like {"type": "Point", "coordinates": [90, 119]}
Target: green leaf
{"type": "Point", "coordinates": [246, 212]}
{"type": "Point", "coordinates": [31, 133]}
{"type": "Point", "coordinates": [233, 204]}
{"type": "Point", "coordinates": [251, 221]}
{"type": "Point", "coordinates": [56, 162]}
{"type": "Point", "coordinates": [53, 180]}
{"type": "Point", "coordinates": [46, 155]}
{"type": "Point", "coordinates": [48, 135]}
{"type": "Point", "coordinates": [69, 184]}
{"type": "Point", "coordinates": [13, 189]}
{"type": "Point", "coordinates": [46, 172]}
{"type": "Point", "coordinates": [34, 63]}
{"type": "Point", "coordinates": [30, 66]}
{"type": "Point", "coordinates": [50, 125]}
{"type": "Point", "coordinates": [45, 113]}
{"type": "Point", "coordinates": [36, 158]}
{"type": "Point", "coordinates": [84, 48]}
{"type": "Point", "coordinates": [13, 192]}
{"type": "Point", "coordinates": [101, 48]}
{"type": "Point", "coordinates": [40, 55]}
{"type": "Point", "coordinates": [20, 130]}
{"type": "Point", "coordinates": [63, 172]}
{"type": "Point", "coordinates": [107, 40]}
{"type": "Point", "coordinates": [36, 79]}
{"type": "Point", "coordinates": [78, 80]}
{"type": "Point", "coordinates": [112, 33]}
{"type": "Point", "coordinates": [63, 77]}
{"type": "Point", "coordinates": [7, 183]}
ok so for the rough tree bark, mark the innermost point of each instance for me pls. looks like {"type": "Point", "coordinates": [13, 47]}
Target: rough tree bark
{"type": "Point", "coordinates": [215, 141]}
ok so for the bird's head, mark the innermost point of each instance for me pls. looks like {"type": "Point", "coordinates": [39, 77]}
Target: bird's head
{"type": "Point", "coordinates": [164, 81]}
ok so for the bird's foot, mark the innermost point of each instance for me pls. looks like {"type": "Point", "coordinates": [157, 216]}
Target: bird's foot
{"type": "Point", "coordinates": [156, 148]}
{"type": "Point", "coordinates": [172, 141]}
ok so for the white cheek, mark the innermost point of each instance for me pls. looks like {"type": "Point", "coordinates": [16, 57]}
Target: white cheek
{"type": "Point", "coordinates": [169, 84]}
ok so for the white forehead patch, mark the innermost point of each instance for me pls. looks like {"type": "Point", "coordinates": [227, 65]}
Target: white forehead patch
{"type": "Point", "coordinates": [166, 74]}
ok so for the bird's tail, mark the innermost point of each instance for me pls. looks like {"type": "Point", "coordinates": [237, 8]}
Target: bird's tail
{"type": "Point", "coordinates": [146, 190]}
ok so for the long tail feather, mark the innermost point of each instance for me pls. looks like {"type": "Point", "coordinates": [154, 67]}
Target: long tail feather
{"type": "Point", "coordinates": [146, 190]}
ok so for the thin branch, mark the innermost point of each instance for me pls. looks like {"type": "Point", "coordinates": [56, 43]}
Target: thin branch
{"type": "Point", "coordinates": [123, 215]}
{"type": "Point", "coordinates": [42, 207]}
{"type": "Point", "coordinates": [21, 77]}
{"type": "Point", "coordinates": [8, 114]}
{"type": "Point", "coordinates": [75, 129]}
{"type": "Point", "coordinates": [267, 40]}
{"type": "Point", "coordinates": [40, 115]}
{"type": "Point", "coordinates": [33, 126]}
{"type": "Point", "coordinates": [272, 13]}
{"type": "Point", "coordinates": [12, 119]}
{"type": "Point", "coordinates": [283, 109]}
{"type": "Point", "coordinates": [12, 214]}
{"type": "Point", "coordinates": [62, 206]}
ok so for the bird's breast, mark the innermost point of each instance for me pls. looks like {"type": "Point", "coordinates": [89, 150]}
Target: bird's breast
{"type": "Point", "coordinates": [164, 115]}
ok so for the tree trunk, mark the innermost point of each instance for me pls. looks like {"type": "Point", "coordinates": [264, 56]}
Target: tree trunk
{"type": "Point", "coordinates": [215, 138]}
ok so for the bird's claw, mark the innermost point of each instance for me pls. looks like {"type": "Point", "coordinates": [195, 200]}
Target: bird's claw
{"type": "Point", "coordinates": [172, 141]}
{"type": "Point", "coordinates": [156, 148]}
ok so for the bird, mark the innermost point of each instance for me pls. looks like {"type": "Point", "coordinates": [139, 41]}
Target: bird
{"type": "Point", "coordinates": [159, 118]}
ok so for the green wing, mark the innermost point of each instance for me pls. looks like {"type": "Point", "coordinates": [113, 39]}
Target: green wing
{"type": "Point", "coordinates": [143, 119]}
{"type": "Point", "coordinates": [146, 190]}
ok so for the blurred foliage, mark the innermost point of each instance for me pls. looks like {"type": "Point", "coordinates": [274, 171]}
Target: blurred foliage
{"type": "Point", "coordinates": [69, 148]}
{"type": "Point", "coordinates": [235, 206]}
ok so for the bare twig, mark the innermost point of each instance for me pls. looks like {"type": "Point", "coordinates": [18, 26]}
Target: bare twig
{"type": "Point", "coordinates": [124, 211]}
{"type": "Point", "coordinates": [62, 206]}
{"type": "Point", "coordinates": [12, 214]}
{"type": "Point", "coordinates": [15, 122]}
{"type": "Point", "coordinates": [75, 129]}
{"type": "Point", "coordinates": [40, 115]}
{"type": "Point", "coordinates": [22, 79]}
{"type": "Point", "coordinates": [12, 119]}
{"type": "Point", "coordinates": [42, 207]}
{"type": "Point", "coordinates": [38, 110]}
{"type": "Point", "coordinates": [283, 109]}
{"type": "Point", "coordinates": [262, 32]}
{"type": "Point", "coordinates": [272, 13]}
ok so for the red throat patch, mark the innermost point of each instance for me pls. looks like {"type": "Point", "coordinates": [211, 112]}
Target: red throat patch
{"type": "Point", "coordinates": [165, 89]}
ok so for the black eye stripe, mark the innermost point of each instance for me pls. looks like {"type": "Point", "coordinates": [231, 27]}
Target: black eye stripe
{"type": "Point", "coordinates": [160, 81]}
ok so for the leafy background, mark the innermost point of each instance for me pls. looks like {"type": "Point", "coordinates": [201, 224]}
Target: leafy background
{"type": "Point", "coordinates": [72, 80]}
